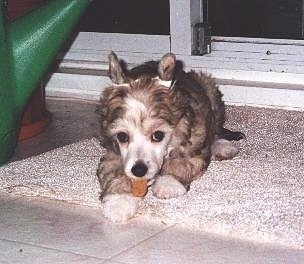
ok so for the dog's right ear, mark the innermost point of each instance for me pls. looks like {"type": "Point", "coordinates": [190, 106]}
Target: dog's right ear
{"type": "Point", "coordinates": [166, 67]}
{"type": "Point", "coordinates": [115, 70]}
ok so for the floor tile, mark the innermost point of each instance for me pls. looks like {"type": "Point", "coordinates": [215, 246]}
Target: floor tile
{"type": "Point", "coordinates": [6, 200]}
{"type": "Point", "coordinates": [177, 245]}
{"type": "Point", "coordinates": [116, 262]}
{"type": "Point", "coordinates": [14, 252]}
{"type": "Point", "coordinates": [71, 228]}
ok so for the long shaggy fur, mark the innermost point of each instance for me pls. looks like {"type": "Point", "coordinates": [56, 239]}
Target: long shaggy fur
{"type": "Point", "coordinates": [167, 135]}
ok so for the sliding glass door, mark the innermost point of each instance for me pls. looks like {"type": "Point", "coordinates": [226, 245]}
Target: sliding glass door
{"type": "Point", "coordinates": [242, 43]}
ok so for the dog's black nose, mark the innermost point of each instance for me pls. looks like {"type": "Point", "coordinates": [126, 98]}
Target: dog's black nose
{"type": "Point", "coordinates": [139, 169]}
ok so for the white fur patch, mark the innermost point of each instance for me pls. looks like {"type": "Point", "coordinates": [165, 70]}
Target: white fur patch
{"type": "Point", "coordinates": [223, 149]}
{"type": "Point", "coordinates": [121, 84]}
{"type": "Point", "coordinates": [134, 104]}
{"type": "Point", "coordinates": [165, 83]}
{"type": "Point", "coordinates": [119, 207]}
{"type": "Point", "coordinates": [167, 186]}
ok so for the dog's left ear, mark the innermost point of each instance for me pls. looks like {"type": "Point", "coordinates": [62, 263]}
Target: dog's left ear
{"type": "Point", "coordinates": [115, 70]}
{"type": "Point", "coordinates": [166, 67]}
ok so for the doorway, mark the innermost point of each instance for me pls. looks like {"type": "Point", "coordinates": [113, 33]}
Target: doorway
{"type": "Point", "coordinates": [274, 19]}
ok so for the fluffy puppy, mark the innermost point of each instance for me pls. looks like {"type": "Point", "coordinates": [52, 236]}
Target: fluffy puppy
{"type": "Point", "coordinates": [160, 124]}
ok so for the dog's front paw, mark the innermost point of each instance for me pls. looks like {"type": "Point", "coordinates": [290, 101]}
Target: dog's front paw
{"type": "Point", "coordinates": [119, 207]}
{"type": "Point", "coordinates": [167, 186]}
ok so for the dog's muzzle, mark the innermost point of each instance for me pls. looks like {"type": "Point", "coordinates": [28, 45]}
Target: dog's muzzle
{"type": "Point", "coordinates": [139, 169]}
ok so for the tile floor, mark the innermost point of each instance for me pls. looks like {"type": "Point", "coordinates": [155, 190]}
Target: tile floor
{"type": "Point", "coordinates": [36, 230]}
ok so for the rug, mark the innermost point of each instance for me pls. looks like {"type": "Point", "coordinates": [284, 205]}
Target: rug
{"type": "Point", "coordinates": [257, 196]}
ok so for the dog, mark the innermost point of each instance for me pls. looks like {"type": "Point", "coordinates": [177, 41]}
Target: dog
{"type": "Point", "coordinates": [161, 124]}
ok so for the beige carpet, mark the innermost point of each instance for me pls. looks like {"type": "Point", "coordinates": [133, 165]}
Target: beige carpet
{"type": "Point", "coordinates": [259, 195]}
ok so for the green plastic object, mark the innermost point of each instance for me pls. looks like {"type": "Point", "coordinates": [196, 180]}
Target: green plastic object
{"type": "Point", "coordinates": [28, 46]}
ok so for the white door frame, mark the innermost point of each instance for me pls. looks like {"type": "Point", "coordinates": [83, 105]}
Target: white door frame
{"type": "Point", "coordinates": [258, 72]}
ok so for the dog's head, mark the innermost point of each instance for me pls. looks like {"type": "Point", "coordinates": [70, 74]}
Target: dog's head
{"type": "Point", "coordinates": [138, 117]}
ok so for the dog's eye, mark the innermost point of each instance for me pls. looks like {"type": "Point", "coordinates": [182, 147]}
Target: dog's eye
{"type": "Point", "coordinates": [122, 137]}
{"type": "Point", "coordinates": [157, 136]}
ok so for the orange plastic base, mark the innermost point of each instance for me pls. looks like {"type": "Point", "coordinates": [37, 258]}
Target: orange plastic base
{"type": "Point", "coordinates": [34, 129]}
{"type": "Point", "coordinates": [35, 117]}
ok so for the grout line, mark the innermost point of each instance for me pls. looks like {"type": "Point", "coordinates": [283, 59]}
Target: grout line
{"type": "Point", "coordinates": [50, 249]}
{"type": "Point", "coordinates": [140, 242]}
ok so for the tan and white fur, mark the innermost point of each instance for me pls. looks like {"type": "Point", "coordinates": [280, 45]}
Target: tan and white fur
{"type": "Point", "coordinates": [158, 123]}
